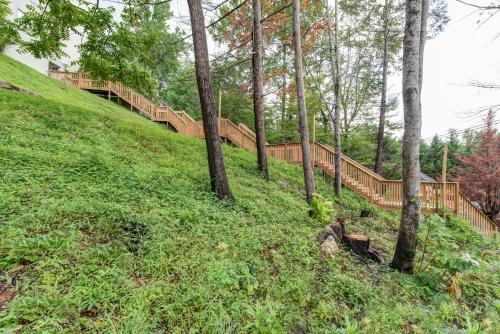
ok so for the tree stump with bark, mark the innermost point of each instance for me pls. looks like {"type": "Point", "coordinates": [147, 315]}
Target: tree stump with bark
{"type": "Point", "coordinates": [358, 243]}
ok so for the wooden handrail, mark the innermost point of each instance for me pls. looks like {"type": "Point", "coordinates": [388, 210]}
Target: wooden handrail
{"type": "Point", "coordinates": [386, 194]}
{"type": "Point", "coordinates": [347, 159]}
{"type": "Point", "coordinates": [246, 129]}
{"type": "Point", "coordinates": [185, 115]}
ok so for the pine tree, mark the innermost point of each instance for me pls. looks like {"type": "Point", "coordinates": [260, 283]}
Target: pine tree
{"type": "Point", "coordinates": [258, 96]}
{"type": "Point", "coordinates": [299, 81]}
{"type": "Point", "coordinates": [218, 177]}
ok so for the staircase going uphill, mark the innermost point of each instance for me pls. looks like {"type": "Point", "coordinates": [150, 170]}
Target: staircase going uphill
{"type": "Point", "coordinates": [386, 194]}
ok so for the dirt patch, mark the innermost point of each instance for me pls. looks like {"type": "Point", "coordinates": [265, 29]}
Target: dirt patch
{"type": "Point", "coordinates": [90, 313]}
{"type": "Point", "coordinates": [8, 287]}
{"type": "Point", "coordinates": [6, 295]}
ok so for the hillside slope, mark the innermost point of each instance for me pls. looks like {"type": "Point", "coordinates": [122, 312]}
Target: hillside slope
{"type": "Point", "coordinates": [107, 225]}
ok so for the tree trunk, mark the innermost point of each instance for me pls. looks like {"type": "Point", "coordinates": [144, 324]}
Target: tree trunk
{"type": "Point", "coordinates": [336, 121]}
{"type": "Point", "coordinates": [304, 134]}
{"type": "Point", "coordinates": [383, 98]}
{"type": "Point", "coordinates": [217, 170]}
{"type": "Point", "coordinates": [283, 98]}
{"type": "Point", "coordinates": [410, 214]}
{"type": "Point", "coordinates": [423, 38]}
{"type": "Point", "coordinates": [258, 96]}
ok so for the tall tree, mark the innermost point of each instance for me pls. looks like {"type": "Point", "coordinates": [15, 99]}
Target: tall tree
{"type": "Point", "coordinates": [479, 179]}
{"type": "Point", "coordinates": [423, 38]}
{"type": "Point", "coordinates": [412, 80]}
{"type": "Point", "coordinates": [336, 103]}
{"type": "Point", "coordinates": [258, 96]}
{"type": "Point", "coordinates": [283, 90]}
{"type": "Point", "coordinates": [217, 170]}
{"type": "Point", "coordinates": [299, 81]}
{"type": "Point", "coordinates": [383, 98]}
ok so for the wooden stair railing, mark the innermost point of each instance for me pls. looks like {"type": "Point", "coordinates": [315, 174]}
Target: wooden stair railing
{"type": "Point", "coordinates": [387, 194]}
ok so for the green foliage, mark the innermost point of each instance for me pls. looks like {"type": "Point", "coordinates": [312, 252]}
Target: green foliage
{"type": "Point", "coordinates": [321, 209]}
{"type": "Point", "coordinates": [431, 154]}
{"type": "Point", "coordinates": [138, 50]}
{"type": "Point", "coordinates": [361, 144]}
{"type": "Point", "coordinates": [109, 225]}
{"type": "Point", "coordinates": [446, 254]}
{"type": "Point", "coordinates": [8, 33]}
{"type": "Point", "coordinates": [182, 91]}
{"type": "Point", "coordinates": [264, 319]}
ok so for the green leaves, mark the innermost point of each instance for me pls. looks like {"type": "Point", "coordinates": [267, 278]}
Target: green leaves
{"type": "Point", "coordinates": [137, 50]}
{"type": "Point", "coordinates": [443, 260]}
{"type": "Point", "coordinates": [322, 209]}
{"type": "Point", "coordinates": [8, 33]}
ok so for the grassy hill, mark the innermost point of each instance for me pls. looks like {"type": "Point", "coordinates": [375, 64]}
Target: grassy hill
{"type": "Point", "coordinates": [107, 225]}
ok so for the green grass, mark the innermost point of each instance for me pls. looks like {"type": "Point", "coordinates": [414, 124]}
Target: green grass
{"type": "Point", "coordinates": [108, 226]}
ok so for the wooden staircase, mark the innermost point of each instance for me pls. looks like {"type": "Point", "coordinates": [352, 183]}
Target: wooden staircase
{"type": "Point", "coordinates": [387, 194]}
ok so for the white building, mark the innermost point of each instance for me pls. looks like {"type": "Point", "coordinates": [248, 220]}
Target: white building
{"type": "Point", "coordinates": [17, 7]}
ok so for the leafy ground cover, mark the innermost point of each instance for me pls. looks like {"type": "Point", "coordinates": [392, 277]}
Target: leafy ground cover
{"type": "Point", "coordinates": [107, 225]}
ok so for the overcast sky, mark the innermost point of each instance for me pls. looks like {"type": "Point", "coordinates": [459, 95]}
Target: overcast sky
{"type": "Point", "coordinates": [465, 51]}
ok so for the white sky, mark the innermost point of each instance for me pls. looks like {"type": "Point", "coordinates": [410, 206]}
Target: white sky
{"type": "Point", "coordinates": [465, 51]}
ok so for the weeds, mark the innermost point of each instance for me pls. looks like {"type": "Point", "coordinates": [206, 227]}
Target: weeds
{"type": "Point", "coordinates": [113, 223]}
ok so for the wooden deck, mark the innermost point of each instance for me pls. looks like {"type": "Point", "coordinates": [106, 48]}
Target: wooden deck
{"type": "Point", "coordinates": [387, 194]}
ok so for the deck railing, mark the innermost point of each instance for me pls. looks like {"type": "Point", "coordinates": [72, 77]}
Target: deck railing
{"type": "Point", "coordinates": [384, 193]}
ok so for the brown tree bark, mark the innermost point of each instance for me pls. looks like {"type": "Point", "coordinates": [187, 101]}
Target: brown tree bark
{"type": "Point", "coordinates": [304, 133]}
{"type": "Point", "coordinates": [217, 170]}
{"type": "Point", "coordinates": [283, 97]}
{"type": "Point", "coordinates": [338, 152]}
{"type": "Point", "coordinates": [383, 98]}
{"type": "Point", "coordinates": [258, 96]}
{"type": "Point", "coordinates": [423, 39]}
{"type": "Point", "coordinates": [336, 104]}
{"type": "Point", "coordinates": [412, 78]}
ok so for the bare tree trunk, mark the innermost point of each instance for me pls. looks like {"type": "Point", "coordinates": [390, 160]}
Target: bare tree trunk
{"type": "Point", "coordinates": [336, 91]}
{"type": "Point", "coordinates": [423, 38]}
{"type": "Point", "coordinates": [304, 134]}
{"type": "Point", "coordinates": [383, 99]}
{"type": "Point", "coordinates": [217, 170]}
{"type": "Point", "coordinates": [283, 98]}
{"type": "Point", "coordinates": [258, 96]}
{"type": "Point", "coordinates": [410, 214]}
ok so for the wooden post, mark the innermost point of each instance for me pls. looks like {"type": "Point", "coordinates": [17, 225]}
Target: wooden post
{"type": "Point", "coordinates": [443, 176]}
{"type": "Point", "coordinates": [457, 194]}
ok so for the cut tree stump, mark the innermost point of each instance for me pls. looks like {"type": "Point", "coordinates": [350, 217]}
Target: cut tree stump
{"type": "Point", "coordinates": [358, 243]}
{"type": "Point", "coordinates": [334, 234]}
